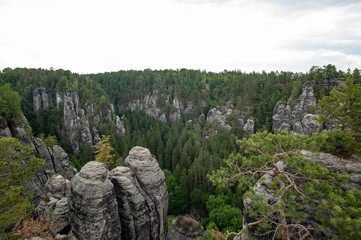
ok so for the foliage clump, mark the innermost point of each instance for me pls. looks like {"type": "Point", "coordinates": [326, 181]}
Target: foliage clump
{"type": "Point", "coordinates": [298, 184]}
{"type": "Point", "coordinates": [104, 151]}
{"type": "Point", "coordinates": [9, 102]}
{"type": "Point", "coordinates": [17, 166]}
{"type": "Point", "coordinates": [42, 227]}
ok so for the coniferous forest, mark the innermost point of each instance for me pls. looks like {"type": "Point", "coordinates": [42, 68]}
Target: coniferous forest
{"type": "Point", "coordinates": [210, 170]}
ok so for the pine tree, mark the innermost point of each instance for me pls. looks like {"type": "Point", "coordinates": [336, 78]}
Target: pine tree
{"type": "Point", "coordinates": [104, 151]}
{"type": "Point", "coordinates": [300, 186]}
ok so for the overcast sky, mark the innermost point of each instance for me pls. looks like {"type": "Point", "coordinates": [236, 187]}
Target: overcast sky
{"type": "Point", "coordinates": [87, 36]}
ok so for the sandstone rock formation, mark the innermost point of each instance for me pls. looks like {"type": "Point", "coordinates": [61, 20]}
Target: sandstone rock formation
{"type": "Point", "coordinates": [152, 185]}
{"type": "Point", "coordinates": [297, 119]}
{"type": "Point", "coordinates": [185, 228]}
{"type": "Point", "coordinates": [129, 202]}
{"type": "Point", "coordinates": [134, 208]}
{"type": "Point", "coordinates": [41, 99]}
{"type": "Point", "coordinates": [149, 104]}
{"type": "Point", "coordinates": [76, 124]}
{"type": "Point", "coordinates": [93, 208]}
{"type": "Point", "coordinates": [351, 167]}
{"type": "Point", "coordinates": [55, 203]}
{"type": "Point", "coordinates": [56, 160]}
{"type": "Point", "coordinates": [222, 114]}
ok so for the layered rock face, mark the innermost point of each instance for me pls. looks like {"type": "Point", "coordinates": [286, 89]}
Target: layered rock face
{"type": "Point", "coordinates": [185, 228]}
{"type": "Point", "coordinates": [41, 99]}
{"type": "Point", "coordinates": [149, 104]}
{"type": "Point", "coordinates": [297, 119]}
{"type": "Point", "coordinates": [339, 165]}
{"type": "Point", "coordinates": [134, 208]}
{"type": "Point", "coordinates": [76, 124]}
{"type": "Point", "coordinates": [93, 208]}
{"type": "Point", "coordinates": [222, 114]}
{"type": "Point", "coordinates": [55, 204]}
{"type": "Point", "coordinates": [152, 186]}
{"type": "Point", "coordinates": [77, 130]}
{"type": "Point", "coordinates": [56, 160]}
{"type": "Point", "coordinates": [129, 202]}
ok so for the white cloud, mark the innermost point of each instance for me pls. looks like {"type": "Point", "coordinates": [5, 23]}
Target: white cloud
{"type": "Point", "coordinates": [97, 36]}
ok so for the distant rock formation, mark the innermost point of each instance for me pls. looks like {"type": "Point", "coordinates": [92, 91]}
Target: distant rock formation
{"type": "Point", "coordinates": [41, 99]}
{"type": "Point", "coordinates": [297, 119]}
{"type": "Point", "coordinates": [81, 121]}
{"type": "Point", "coordinates": [185, 228]}
{"type": "Point", "coordinates": [222, 114]}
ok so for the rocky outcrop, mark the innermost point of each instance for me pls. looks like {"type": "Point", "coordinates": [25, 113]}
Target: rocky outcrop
{"type": "Point", "coordinates": [56, 160]}
{"type": "Point", "coordinates": [223, 114]}
{"type": "Point", "coordinates": [93, 208]}
{"type": "Point", "coordinates": [328, 84]}
{"type": "Point", "coordinates": [129, 202]}
{"type": "Point", "coordinates": [148, 104]}
{"type": "Point", "coordinates": [41, 99]}
{"type": "Point", "coordinates": [185, 228]}
{"type": "Point", "coordinates": [134, 205]}
{"type": "Point", "coordinates": [55, 203]}
{"type": "Point", "coordinates": [76, 124]}
{"type": "Point", "coordinates": [152, 185]}
{"type": "Point", "coordinates": [297, 119]}
{"type": "Point", "coordinates": [351, 167]}
{"type": "Point", "coordinates": [249, 127]}
{"type": "Point", "coordinates": [120, 124]}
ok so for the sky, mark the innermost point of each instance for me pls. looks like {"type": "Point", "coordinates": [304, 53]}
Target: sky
{"type": "Point", "coordinates": [87, 36]}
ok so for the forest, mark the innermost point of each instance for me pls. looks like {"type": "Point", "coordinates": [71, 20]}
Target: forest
{"type": "Point", "coordinates": [197, 156]}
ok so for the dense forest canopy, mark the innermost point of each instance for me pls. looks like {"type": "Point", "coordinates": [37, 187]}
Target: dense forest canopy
{"type": "Point", "coordinates": [188, 150]}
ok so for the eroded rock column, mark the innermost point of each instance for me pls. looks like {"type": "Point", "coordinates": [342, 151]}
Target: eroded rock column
{"type": "Point", "coordinates": [93, 207]}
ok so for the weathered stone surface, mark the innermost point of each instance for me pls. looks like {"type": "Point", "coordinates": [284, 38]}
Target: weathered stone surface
{"type": "Point", "coordinates": [152, 181]}
{"type": "Point", "coordinates": [328, 84]}
{"type": "Point", "coordinates": [119, 124]}
{"type": "Point", "coordinates": [342, 166]}
{"type": "Point", "coordinates": [249, 126]}
{"type": "Point", "coordinates": [43, 150]}
{"type": "Point", "coordinates": [62, 162]}
{"type": "Point", "coordinates": [93, 208]}
{"type": "Point", "coordinates": [297, 119]}
{"type": "Point", "coordinates": [221, 114]}
{"type": "Point", "coordinates": [41, 99]}
{"type": "Point", "coordinates": [135, 207]}
{"type": "Point", "coordinates": [178, 107]}
{"type": "Point", "coordinates": [4, 128]}
{"type": "Point", "coordinates": [185, 228]}
{"type": "Point", "coordinates": [149, 104]}
{"type": "Point", "coordinates": [310, 124]}
{"type": "Point", "coordinates": [75, 123]}
{"type": "Point", "coordinates": [55, 202]}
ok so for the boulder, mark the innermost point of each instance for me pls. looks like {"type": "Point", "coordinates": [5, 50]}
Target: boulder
{"type": "Point", "coordinates": [185, 228]}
